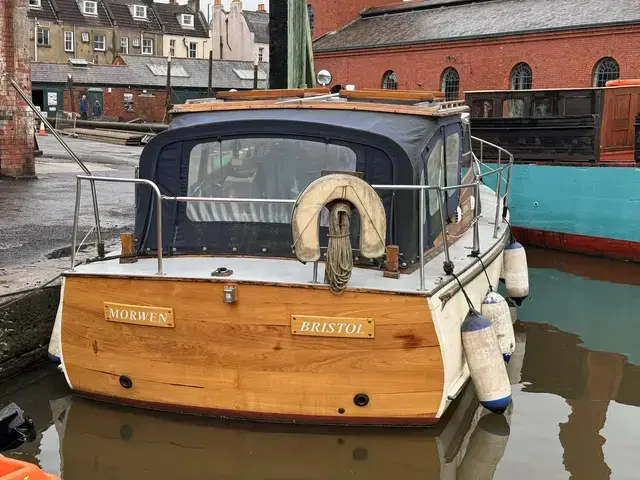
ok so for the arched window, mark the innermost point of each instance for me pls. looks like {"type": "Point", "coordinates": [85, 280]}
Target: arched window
{"type": "Point", "coordinates": [606, 69]}
{"type": "Point", "coordinates": [390, 80]}
{"type": "Point", "coordinates": [521, 77]}
{"type": "Point", "coordinates": [450, 84]}
{"type": "Point", "coordinates": [311, 14]}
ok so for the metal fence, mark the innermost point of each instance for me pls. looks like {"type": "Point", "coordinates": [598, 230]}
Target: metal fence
{"type": "Point", "coordinates": [65, 123]}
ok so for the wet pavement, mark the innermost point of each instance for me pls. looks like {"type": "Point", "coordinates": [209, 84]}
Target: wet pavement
{"type": "Point", "coordinates": [575, 414]}
{"type": "Point", "coordinates": [37, 215]}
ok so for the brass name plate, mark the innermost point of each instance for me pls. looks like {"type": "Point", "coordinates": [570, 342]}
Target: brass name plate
{"type": "Point", "coordinates": [345, 327]}
{"type": "Point", "coordinates": [139, 315]}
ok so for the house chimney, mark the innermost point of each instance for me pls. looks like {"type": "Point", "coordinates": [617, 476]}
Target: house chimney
{"type": "Point", "coordinates": [261, 7]}
{"type": "Point", "coordinates": [217, 2]}
{"type": "Point", "coordinates": [236, 6]}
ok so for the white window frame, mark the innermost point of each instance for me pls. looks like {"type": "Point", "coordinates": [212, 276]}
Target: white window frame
{"type": "Point", "coordinates": [124, 45]}
{"type": "Point", "coordinates": [136, 42]}
{"type": "Point", "coordinates": [95, 40]}
{"type": "Point", "coordinates": [35, 4]}
{"type": "Point", "coordinates": [67, 38]}
{"type": "Point", "coordinates": [48, 42]}
{"type": "Point", "coordinates": [86, 3]}
{"type": "Point", "coordinates": [195, 50]}
{"type": "Point", "coordinates": [261, 54]}
{"type": "Point", "coordinates": [172, 47]}
{"type": "Point", "coordinates": [146, 45]}
{"type": "Point", "coordinates": [191, 21]}
{"type": "Point", "coordinates": [85, 37]}
{"type": "Point", "coordinates": [144, 12]}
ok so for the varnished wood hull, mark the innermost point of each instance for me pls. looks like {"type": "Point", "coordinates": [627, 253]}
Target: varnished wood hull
{"type": "Point", "coordinates": [241, 360]}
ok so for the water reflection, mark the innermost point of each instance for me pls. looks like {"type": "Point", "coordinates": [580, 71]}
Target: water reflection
{"type": "Point", "coordinates": [101, 441]}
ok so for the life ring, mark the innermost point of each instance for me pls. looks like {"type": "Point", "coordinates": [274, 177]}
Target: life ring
{"type": "Point", "coordinates": [623, 83]}
{"type": "Point", "coordinates": [338, 186]}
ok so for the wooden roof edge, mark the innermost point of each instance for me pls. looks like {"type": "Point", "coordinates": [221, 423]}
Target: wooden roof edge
{"type": "Point", "coordinates": [310, 105]}
{"type": "Point", "coordinates": [272, 94]}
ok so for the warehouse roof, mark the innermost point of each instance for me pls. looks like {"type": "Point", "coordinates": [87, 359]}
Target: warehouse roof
{"type": "Point", "coordinates": [148, 71]}
{"type": "Point", "coordinates": [442, 20]}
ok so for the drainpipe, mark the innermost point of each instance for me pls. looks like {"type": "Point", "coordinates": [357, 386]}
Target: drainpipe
{"type": "Point", "coordinates": [75, 49]}
{"type": "Point", "coordinates": [35, 39]}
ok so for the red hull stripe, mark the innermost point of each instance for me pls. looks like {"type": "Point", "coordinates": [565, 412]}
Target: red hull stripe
{"type": "Point", "coordinates": [569, 242]}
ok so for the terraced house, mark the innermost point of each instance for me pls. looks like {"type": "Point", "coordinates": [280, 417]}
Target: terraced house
{"type": "Point", "coordinates": [96, 31]}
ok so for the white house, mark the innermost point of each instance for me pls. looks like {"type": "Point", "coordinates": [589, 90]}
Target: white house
{"type": "Point", "coordinates": [240, 34]}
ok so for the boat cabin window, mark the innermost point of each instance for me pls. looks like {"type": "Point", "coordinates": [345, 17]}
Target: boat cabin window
{"type": "Point", "coordinates": [435, 176]}
{"type": "Point", "coordinates": [274, 168]}
{"type": "Point", "coordinates": [453, 159]}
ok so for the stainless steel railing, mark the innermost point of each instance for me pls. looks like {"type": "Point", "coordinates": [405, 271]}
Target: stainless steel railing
{"type": "Point", "coordinates": [422, 189]}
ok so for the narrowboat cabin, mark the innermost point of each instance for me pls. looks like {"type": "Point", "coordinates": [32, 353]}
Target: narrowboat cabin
{"type": "Point", "coordinates": [301, 256]}
{"type": "Point", "coordinates": [588, 125]}
{"type": "Point", "coordinates": [577, 152]}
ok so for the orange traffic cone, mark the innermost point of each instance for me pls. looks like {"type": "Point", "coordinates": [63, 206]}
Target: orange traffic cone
{"type": "Point", "coordinates": [43, 132]}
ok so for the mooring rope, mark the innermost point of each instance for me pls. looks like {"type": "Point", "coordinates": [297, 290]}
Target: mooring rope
{"type": "Point", "coordinates": [339, 255]}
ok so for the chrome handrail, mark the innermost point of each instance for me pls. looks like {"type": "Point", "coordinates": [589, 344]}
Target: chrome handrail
{"type": "Point", "coordinates": [448, 266]}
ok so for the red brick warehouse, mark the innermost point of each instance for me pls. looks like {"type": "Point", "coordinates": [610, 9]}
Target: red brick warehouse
{"type": "Point", "coordinates": [462, 45]}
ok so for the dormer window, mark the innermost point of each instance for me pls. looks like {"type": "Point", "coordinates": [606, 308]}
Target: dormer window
{"type": "Point", "coordinates": [187, 20]}
{"type": "Point", "coordinates": [35, 4]}
{"type": "Point", "coordinates": [89, 7]}
{"type": "Point", "coordinates": [140, 12]}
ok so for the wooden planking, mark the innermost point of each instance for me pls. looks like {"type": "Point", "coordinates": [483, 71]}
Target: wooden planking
{"type": "Point", "coordinates": [244, 352]}
{"type": "Point", "coordinates": [393, 95]}
{"type": "Point", "coordinates": [401, 405]}
{"type": "Point", "coordinates": [311, 105]}
{"type": "Point", "coordinates": [270, 94]}
{"type": "Point", "coordinates": [221, 379]}
{"type": "Point", "coordinates": [279, 357]}
{"type": "Point", "coordinates": [104, 442]}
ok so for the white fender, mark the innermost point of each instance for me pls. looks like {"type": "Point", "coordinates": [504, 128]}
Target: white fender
{"type": "Point", "coordinates": [516, 272]}
{"type": "Point", "coordinates": [486, 365]}
{"type": "Point", "coordinates": [496, 310]}
{"type": "Point", "coordinates": [306, 211]}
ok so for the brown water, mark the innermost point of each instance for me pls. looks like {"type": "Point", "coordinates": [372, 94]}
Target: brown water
{"type": "Point", "coordinates": [575, 414]}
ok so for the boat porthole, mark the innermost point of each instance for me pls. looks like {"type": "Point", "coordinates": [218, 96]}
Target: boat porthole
{"type": "Point", "coordinates": [341, 411]}
{"type": "Point", "coordinates": [359, 454]}
{"type": "Point", "coordinates": [361, 399]}
{"type": "Point", "coordinates": [126, 432]}
{"type": "Point", "coordinates": [126, 381]}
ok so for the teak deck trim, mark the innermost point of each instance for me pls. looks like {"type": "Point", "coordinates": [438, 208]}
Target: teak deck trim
{"type": "Point", "coordinates": [310, 105]}
{"type": "Point", "coordinates": [404, 95]}
{"type": "Point", "coordinates": [271, 94]}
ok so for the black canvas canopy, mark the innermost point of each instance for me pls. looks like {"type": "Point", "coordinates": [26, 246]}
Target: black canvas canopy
{"type": "Point", "coordinates": [275, 153]}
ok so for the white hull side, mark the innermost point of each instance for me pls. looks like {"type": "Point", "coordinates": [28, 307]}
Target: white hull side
{"type": "Point", "coordinates": [448, 319]}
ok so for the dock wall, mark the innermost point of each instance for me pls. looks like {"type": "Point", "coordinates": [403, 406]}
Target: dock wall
{"type": "Point", "coordinates": [25, 330]}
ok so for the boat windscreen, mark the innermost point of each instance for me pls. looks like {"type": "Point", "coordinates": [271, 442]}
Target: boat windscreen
{"type": "Point", "coordinates": [262, 168]}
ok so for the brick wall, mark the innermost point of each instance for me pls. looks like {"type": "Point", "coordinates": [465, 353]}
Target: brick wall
{"type": "Point", "coordinates": [558, 60]}
{"type": "Point", "coordinates": [330, 15]}
{"type": "Point", "coordinates": [147, 108]}
{"type": "Point", "coordinates": [16, 119]}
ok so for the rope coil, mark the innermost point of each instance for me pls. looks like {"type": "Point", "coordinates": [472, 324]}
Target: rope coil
{"type": "Point", "coordinates": [339, 254]}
